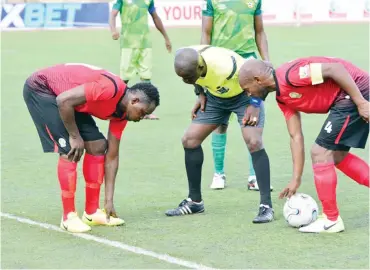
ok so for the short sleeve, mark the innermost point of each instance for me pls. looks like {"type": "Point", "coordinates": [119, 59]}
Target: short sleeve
{"type": "Point", "coordinates": [118, 5]}
{"type": "Point", "coordinates": [288, 112]}
{"type": "Point", "coordinates": [258, 8]}
{"type": "Point", "coordinates": [304, 73]}
{"type": "Point", "coordinates": [151, 7]}
{"type": "Point", "coordinates": [99, 90]}
{"type": "Point", "coordinates": [116, 128]}
{"type": "Point", "coordinates": [207, 8]}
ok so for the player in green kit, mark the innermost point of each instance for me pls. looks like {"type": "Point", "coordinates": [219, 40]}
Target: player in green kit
{"type": "Point", "coordinates": [136, 46]}
{"type": "Point", "coordinates": [236, 25]}
{"type": "Point", "coordinates": [214, 71]}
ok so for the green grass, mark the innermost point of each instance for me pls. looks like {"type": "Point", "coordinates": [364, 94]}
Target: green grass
{"type": "Point", "coordinates": [152, 176]}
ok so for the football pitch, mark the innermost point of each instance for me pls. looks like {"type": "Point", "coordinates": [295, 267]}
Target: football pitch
{"type": "Point", "coordinates": [152, 176]}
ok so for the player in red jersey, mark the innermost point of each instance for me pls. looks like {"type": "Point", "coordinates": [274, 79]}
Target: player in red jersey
{"type": "Point", "coordinates": [62, 100]}
{"type": "Point", "coordinates": [319, 85]}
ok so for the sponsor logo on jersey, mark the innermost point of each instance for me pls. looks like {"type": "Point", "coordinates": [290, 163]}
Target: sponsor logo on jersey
{"type": "Point", "coordinates": [295, 95]}
{"type": "Point", "coordinates": [304, 72]}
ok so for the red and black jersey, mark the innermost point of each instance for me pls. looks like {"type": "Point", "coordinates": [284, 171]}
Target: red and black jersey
{"type": "Point", "coordinates": [300, 89]}
{"type": "Point", "coordinates": [103, 90]}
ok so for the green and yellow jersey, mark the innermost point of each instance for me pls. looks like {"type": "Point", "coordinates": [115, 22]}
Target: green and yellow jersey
{"type": "Point", "coordinates": [233, 24]}
{"type": "Point", "coordinates": [134, 17]}
{"type": "Point", "coordinates": [223, 65]}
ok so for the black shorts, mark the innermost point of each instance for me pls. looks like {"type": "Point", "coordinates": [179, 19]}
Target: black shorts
{"type": "Point", "coordinates": [218, 110]}
{"type": "Point", "coordinates": [53, 135]}
{"type": "Point", "coordinates": [343, 129]}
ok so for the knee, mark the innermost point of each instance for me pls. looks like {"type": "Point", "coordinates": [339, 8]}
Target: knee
{"type": "Point", "coordinates": [97, 148]}
{"type": "Point", "coordinates": [189, 141]}
{"type": "Point", "coordinates": [254, 144]}
{"type": "Point", "coordinates": [320, 154]}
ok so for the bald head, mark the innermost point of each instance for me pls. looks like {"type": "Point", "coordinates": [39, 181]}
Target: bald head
{"type": "Point", "coordinates": [255, 78]}
{"type": "Point", "coordinates": [187, 64]}
{"type": "Point", "coordinates": [253, 68]}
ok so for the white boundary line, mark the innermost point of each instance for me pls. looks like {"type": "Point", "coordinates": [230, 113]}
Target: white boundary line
{"type": "Point", "coordinates": [116, 244]}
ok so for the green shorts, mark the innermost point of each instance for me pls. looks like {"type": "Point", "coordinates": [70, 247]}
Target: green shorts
{"type": "Point", "coordinates": [136, 61]}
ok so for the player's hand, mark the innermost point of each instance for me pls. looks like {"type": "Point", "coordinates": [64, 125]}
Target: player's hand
{"type": "Point", "coordinates": [109, 210]}
{"type": "Point", "coordinates": [199, 104]}
{"type": "Point", "coordinates": [363, 109]}
{"type": "Point", "coordinates": [115, 35]}
{"type": "Point", "coordinates": [290, 189]}
{"type": "Point", "coordinates": [251, 116]}
{"type": "Point", "coordinates": [168, 45]}
{"type": "Point", "coordinates": [77, 148]}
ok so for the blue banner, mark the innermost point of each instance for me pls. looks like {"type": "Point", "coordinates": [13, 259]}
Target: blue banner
{"type": "Point", "coordinates": [54, 15]}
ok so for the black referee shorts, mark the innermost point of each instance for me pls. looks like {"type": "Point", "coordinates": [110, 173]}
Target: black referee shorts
{"type": "Point", "coordinates": [53, 135]}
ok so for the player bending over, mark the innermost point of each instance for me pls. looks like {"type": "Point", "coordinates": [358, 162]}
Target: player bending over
{"type": "Point", "coordinates": [62, 100]}
{"type": "Point", "coordinates": [319, 85]}
{"type": "Point", "coordinates": [216, 70]}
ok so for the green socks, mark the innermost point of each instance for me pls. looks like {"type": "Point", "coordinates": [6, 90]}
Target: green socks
{"type": "Point", "coordinates": [218, 147]}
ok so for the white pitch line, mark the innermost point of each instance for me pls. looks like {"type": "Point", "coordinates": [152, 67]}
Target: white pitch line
{"type": "Point", "coordinates": [116, 244]}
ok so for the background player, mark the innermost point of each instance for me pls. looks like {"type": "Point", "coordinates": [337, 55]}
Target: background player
{"type": "Point", "coordinates": [216, 69]}
{"type": "Point", "coordinates": [62, 100]}
{"type": "Point", "coordinates": [136, 45]}
{"type": "Point", "coordinates": [237, 26]}
{"type": "Point", "coordinates": [317, 85]}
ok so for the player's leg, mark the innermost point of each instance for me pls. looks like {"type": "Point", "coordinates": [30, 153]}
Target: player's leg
{"type": "Point", "coordinates": [252, 180]}
{"type": "Point", "coordinates": [93, 170]}
{"type": "Point", "coordinates": [144, 67]}
{"type": "Point", "coordinates": [219, 137]}
{"type": "Point", "coordinates": [326, 183]}
{"type": "Point", "coordinates": [127, 65]}
{"type": "Point", "coordinates": [343, 129]}
{"type": "Point", "coordinates": [54, 138]}
{"type": "Point", "coordinates": [204, 123]}
{"type": "Point", "coordinates": [355, 168]}
{"type": "Point", "coordinates": [260, 160]}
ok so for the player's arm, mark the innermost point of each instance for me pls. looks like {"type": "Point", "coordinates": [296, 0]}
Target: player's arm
{"type": "Point", "coordinates": [111, 164]}
{"type": "Point", "coordinates": [112, 18]}
{"type": "Point", "coordinates": [207, 22]}
{"type": "Point", "coordinates": [260, 34]}
{"type": "Point", "coordinates": [293, 121]}
{"type": "Point", "coordinates": [159, 25]}
{"type": "Point", "coordinates": [296, 145]}
{"type": "Point", "coordinates": [67, 101]}
{"type": "Point", "coordinates": [338, 73]}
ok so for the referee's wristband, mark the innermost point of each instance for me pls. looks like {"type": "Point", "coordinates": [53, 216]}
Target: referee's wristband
{"type": "Point", "coordinates": [256, 102]}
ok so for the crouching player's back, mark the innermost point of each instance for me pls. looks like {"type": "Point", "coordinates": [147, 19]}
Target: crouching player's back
{"type": "Point", "coordinates": [62, 101]}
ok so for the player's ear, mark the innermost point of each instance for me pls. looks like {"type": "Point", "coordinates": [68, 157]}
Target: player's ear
{"type": "Point", "coordinates": [257, 79]}
{"type": "Point", "coordinates": [135, 100]}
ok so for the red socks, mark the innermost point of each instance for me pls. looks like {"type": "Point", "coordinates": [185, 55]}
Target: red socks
{"type": "Point", "coordinates": [355, 168]}
{"type": "Point", "coordinates": [67, 176]}
{"type": "Point", "coordinates": [93, 170]}
{"type": "Point", "coordinates": [326, 184]}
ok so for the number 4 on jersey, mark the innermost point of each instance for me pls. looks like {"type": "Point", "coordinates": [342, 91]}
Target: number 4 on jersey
{"type": "Point", "coordinates": [328, 127]}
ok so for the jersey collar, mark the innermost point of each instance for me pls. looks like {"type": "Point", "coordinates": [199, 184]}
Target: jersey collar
{"type": "Point", "coordinates": [276, 83]}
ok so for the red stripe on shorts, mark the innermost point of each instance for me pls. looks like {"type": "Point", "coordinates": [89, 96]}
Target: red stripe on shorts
{"type": "Point", "coordinates": [56, 149]}
{"type": "Point", "coordinates": [342, 130]}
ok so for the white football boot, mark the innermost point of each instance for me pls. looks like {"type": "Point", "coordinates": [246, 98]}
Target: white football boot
{"type": "Point", "coordinates": [218, 181]}
{"type": "Point", "coordinates": [324, 225]}
{"type": "Point", "coordinates": [253, 185]}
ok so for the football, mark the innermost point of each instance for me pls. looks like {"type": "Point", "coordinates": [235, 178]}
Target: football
{"type": "Point", "coordinates": [300, 210]}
